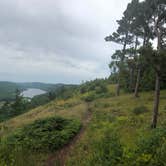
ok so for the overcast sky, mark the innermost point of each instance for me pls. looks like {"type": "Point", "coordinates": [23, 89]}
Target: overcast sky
{"type": "Point", "coordinates": [57, 41]}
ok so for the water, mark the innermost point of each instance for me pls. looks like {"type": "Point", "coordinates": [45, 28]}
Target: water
{"type": "Point", "coordinates": [31, 92]}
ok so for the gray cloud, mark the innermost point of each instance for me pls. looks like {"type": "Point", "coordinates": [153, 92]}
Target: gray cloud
{"type": "Point", "coordinates": [56, 41]}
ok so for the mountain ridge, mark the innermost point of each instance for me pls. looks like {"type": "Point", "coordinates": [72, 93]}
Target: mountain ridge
{"type": "Point", "coordinates": [8, 88]}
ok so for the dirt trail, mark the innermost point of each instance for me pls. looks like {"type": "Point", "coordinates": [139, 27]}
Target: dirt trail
{"type": "Point", "coordinates": [61, 155]}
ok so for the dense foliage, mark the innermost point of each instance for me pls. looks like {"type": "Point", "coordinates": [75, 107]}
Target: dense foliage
{"type": "Point", "coordinates": [41, 136]}
{"type": "Point", "coordinates": [140, 110]}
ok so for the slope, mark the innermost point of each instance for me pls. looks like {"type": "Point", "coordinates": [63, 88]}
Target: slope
{"type": "Point", "coordinates": [111, 136]}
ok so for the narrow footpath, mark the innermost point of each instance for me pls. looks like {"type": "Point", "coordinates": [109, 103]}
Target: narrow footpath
{"type": "Point", "coordinates": [61, 155]}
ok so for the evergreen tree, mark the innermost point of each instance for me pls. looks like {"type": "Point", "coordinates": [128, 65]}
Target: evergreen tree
{"type": "Point", "coordinates": [18, 105]}
{"type": "Point", "coordinates": [124, 38]}
{"type": "Point", "coordinates": [158, 8]}
{"type": "Point", "coordinates": [142, 21]}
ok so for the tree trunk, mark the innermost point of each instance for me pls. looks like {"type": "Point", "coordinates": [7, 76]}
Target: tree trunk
{"type": "Point", "coordinates": [156, 101]}
{"type": "Point", "coordinates": [139, 73]}
{"type": "Point", "coordinates": [118, 89]}
{"type": "Point", "coordinates": [157, 85]}
{"type": "Point", "coordinates": [131, 80]}
{"type": "Point", "coordinates": [122, 60]}
{"type": "Point", "coordinates": [118, 86]}
{"type": "Point", "coordinates": [137, 83]}
{"type": "Point", "coordinates": [132, 70]}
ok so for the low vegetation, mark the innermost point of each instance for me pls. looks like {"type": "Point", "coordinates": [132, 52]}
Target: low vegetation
{"type": "Point", "coordinates": [140, 110]}
{"type": "Point", "coordinates": [119, 132]}
{"type": "Point", "coordinates": [44, 136]}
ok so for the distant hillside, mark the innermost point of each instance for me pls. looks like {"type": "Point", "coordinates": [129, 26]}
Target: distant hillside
{"type": "Point", "coordinates": [8, 89]}
{"type": "Point", "coordinates": [39, 85]}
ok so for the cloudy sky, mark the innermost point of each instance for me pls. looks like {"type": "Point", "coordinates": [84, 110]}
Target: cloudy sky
{"type": "Point", "coordinates": [57, 40]}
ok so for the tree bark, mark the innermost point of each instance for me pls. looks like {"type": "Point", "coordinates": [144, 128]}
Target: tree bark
{"type": "Point", "coordinates": [122, 60]}
{"type": "Point", "coordinates": [131, 80]}
{"type": "Point", "coordinates": [137, 83]}
{"type": "Point", "coordinates": [157, 85]}
{"type": "Point", "coordinates": [156, 101]}
{"type": "Point", "coordinates": [118, 86]}
{"type": "Point", "coordinates": [145, 41]}
{"type": "Point", "coordinates": [118, 89]}
{"type": "Point", "coordinates": [132, 70]}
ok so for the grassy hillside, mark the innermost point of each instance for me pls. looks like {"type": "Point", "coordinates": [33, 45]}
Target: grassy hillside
{"type": "Point", "coordinates": [65, 109]}
{"type": "Point", "coordinates": [117, 116]}
{"type": "Point", "coordinates": [116, 134]}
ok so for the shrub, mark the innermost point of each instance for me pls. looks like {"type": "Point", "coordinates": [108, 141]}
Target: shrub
{"type": "Point", "coordinates": [109, 150]}
{"type": "Point", "coordinates": [101, 89]}
{"type": "Point", "coordinates": [90, 97]}
{"type": "Point", "coordinates": [151, 149]}
{"type": "Point", "coordinates": [46, 135]}
{"type": "Point", "coordinates": [41, 136]}
{"type": "Point", "coordinates": [140, 110]}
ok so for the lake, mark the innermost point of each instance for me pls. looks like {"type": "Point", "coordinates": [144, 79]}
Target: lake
{"type": "Point", "coordinates": [31, 92]}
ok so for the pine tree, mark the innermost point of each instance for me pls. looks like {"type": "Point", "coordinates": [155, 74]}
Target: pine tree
{"type": "Point", "coordinates": [159, 20]}
{"type": "Point", "coordinates": [18, 105]}
{"type": "Point", "coordinates": [124, 38]}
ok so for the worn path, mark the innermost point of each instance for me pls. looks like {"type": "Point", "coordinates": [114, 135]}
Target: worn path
{"type": "Point", "coordinates": [61, 155]}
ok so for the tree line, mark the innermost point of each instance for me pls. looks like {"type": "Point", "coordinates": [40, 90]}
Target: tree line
{"type": "Point", "coordinates": [20, 104]}
{"type": "Point", "coordinates": [142, 60]}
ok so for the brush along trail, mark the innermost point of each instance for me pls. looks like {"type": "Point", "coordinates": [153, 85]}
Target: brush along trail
{"type": "Point", "coordinates": [61, 155]}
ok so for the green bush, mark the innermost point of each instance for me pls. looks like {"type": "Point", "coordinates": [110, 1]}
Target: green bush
{"type": "Point", "coordinates": [101, 89]}
{"type": "Point", "coordinates": [41, 136]}
{"type": "Point", "coordinates": [140, 110]}
{"type": "Point", "coordinates": [46, 135]}
{"type": "Point", "coordinates": [90, 97]}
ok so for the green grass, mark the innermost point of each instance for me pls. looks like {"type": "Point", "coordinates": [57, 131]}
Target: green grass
{"type": "Point", "coordinates": [55, 108]}
{"type": "Point", "coordinates": [114, 124]}
{"type": "Point", "coordinates": [116, 115]}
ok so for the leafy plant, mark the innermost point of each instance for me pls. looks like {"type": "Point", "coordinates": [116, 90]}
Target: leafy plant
{"type": "Point", "coordinates": [140, 110]}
